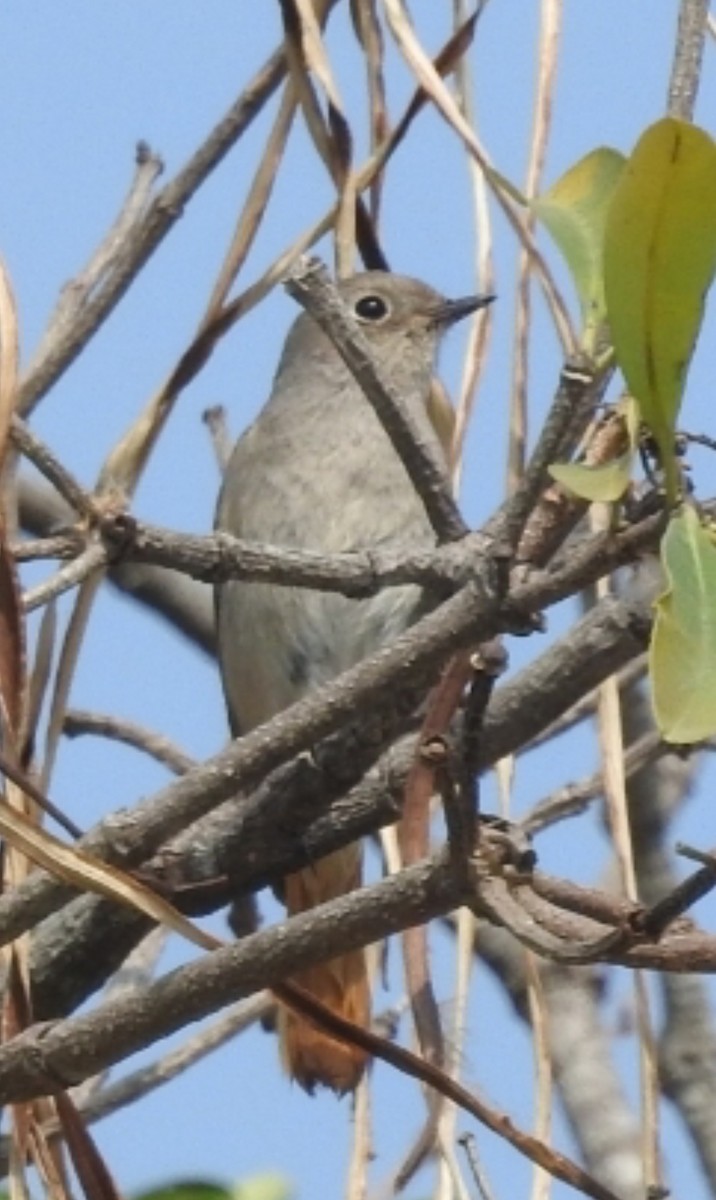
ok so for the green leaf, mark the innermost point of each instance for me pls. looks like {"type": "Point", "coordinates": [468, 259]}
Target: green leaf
{"type": "Point", "coordinates": [659, 261]}
{"type": "Point", "coordinates": [574, 211]}
{"type": "Point", "coordinates": [606, 482]}
{"type": "Point", "coordinates": [188, 1189]}
{"type": "Point", "coordinates": [267, 1186]}
{"type": "Point", "coordinates": [683, 645]}
{"type": "Point", "coordinates": [603, 482]}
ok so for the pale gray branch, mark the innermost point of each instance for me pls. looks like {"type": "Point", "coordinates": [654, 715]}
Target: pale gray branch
{"type": "Point", "coordinates": [688, 58]}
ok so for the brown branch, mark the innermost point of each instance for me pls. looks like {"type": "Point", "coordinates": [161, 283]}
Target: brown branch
{"type": "Point", "coordinates": [558, 1165]}
{"type": "Point", "coordinates": [488, 662]}
{"type": "Point", "coordinates": [632, 673]}
{"type": "Point", "coordinates": [46, 1058]}
{"type": "Point", "coordinates": [253, 844]}
{"type": "Point", "coordinates": [79, 722]}
{"type": "Point", "coordinates": [428, 774]}
{"type": "Point", "coordinates": [215, 558]}
{"type": "Point", "coordinates": [610, 635]}
{"type": "Point", "coordinates": [296, 816]}
{"type": "Point", "coordinates": [474, 615]}
{"type": "Point", "coordinates": [131, 837]}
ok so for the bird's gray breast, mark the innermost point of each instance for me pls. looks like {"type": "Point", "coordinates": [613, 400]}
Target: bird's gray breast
{"type": "Point", "coordinates": [316, 471]}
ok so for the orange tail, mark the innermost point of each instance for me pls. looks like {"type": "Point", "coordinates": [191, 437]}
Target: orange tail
{"type": "Point", "coordinates": [311, 1056]}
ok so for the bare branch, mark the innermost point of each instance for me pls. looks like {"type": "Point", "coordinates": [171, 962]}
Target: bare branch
{"type": "Point", "coordinates": [126, 257]}
{"type": "Point", "coordinates": [688, 56]}
{"type": "Point", "coordinates": [40, 1060]}
{"type": "Point", "coordinates": [184, 604]}
{"type": "Point", "coordinates": [78, 723]}
{"type": "Point", "coordinates": [49, 465]}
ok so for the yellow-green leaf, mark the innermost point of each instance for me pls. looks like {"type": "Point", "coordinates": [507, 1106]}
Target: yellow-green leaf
{"type": "Point", "coordinates": [269, 1186]}
{"type": "Point", "coordinates": [574, 211]}
{"type": "Point", "coordinates": [659, 261]}
{"type": "Point", "coordinates": [605, 482]}
{"type": "Point", "coordinates": [189, 1189]}
{"type": "Point", "coordinates": [683, 644]}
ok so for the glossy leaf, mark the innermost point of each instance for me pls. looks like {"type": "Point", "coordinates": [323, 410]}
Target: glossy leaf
{"type": "Point", "coordinates": [659, 261]}
{"type": "Point", "coordinates": [574, 210]}
{"type": "Point", "coordinates": [683, 645]}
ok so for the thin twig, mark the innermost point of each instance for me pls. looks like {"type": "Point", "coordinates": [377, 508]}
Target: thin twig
{"type": "Point", "coordinates": [64, 545]}
{"type": "Point", "coordinates": [26, 784]}
{"type": "Point", "coordinates": [688, 58]}
{"type": "Point", "coordinates": [148, 233]}
{"type": "Point", "coordinates": [478, 340]}
{"type": "Point", "coordinates": [403, 32]}
{"type": "Point", "coordinates": [487, 663]}
{"type": "Point", "coordinates": [88, 562]}
{"type": "Point", "coordinates": [49, 465]}
{"type": "Point", "coordinates": [148, 167]}
{"type": "Point", "coordinates": [135, 973]}
{"type": "Point", "coordinates": [571, 799]}
{"type": "Point", "coordinates": [185, 605]}
{"type": "Point", "coordinates": [255, 205]}
{"type": "Point", "coordinates": [414, 1067]}
{"type": "Point", "coordinates": [550, 26]}
{"type": "Point", "coordinates": [467, 1141]}
{"type": "Point", "coordinates": [362, 1142]}
{"type": "Point", "coordinates": [79, 722]}
{"type": "Point", "coordinates": [586, 706]}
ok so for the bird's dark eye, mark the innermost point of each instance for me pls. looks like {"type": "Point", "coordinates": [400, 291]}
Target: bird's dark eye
{"type": "Point", "coordinates": [371, 308]}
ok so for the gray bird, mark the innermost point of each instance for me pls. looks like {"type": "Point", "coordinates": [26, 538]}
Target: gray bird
{"type": "Point", "coordinates": [317, 471]}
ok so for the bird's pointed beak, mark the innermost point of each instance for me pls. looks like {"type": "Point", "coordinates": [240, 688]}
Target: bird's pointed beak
{"type": "Point", "coordinates": [451, 311]}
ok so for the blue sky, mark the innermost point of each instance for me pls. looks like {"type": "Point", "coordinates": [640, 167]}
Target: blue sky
{"type": "Point", "coordinates": [80, 84]}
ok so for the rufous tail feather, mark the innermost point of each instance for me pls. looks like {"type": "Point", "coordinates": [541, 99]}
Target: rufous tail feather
{"type": "Point", "coordinates": [311, 1056]}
